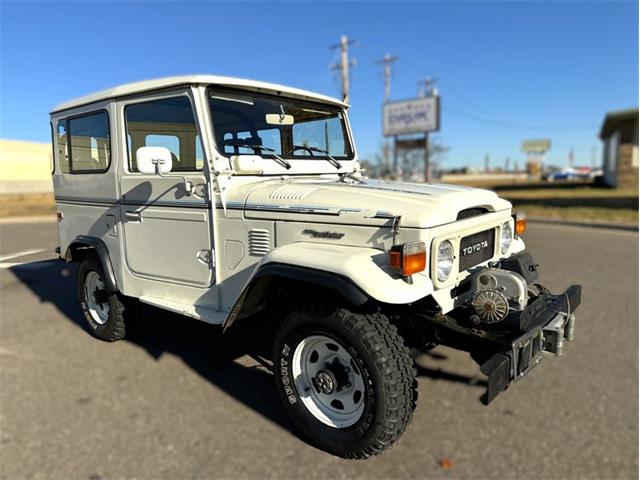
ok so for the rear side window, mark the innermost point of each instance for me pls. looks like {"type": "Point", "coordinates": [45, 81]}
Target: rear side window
{"type": "Point", "coordinates": [63, 157]}
{"type": "Point", "coordinates": [169, 123]}
{"type": "Point", "coordinates": [89, 143]}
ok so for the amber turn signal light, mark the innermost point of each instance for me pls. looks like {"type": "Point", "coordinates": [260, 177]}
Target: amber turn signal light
{"type": "Point", "coordinates": [521, 226]}
{"type": "Point", "coordinates": [408, 258]}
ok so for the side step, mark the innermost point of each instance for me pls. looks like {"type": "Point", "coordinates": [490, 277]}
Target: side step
{"type": "Point", "coordinates": [208, 315]}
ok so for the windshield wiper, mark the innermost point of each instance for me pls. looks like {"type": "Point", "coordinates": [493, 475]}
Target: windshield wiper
{"type": "Point", "coordinates": [311, 150]}
{"type": "Point", "coordinates": [273, 153]}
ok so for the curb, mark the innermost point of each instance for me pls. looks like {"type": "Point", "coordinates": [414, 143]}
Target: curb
{"type": "Point", "coordinates": [34, 219]}
{"type": "Point", "coordinates": [583, 223]}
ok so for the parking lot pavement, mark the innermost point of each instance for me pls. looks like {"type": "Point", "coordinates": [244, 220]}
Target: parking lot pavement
{"type": "Point", "coordinates": [179, 400]}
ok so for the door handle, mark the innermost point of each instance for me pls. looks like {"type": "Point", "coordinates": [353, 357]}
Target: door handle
{"type": "Point", "coordinates": [133, 216]}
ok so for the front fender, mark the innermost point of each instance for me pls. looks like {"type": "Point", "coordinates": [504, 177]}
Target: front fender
{"type": "Point", "coordinates": [366, 268]}
{"type": "Point", "coordinates": [357, 273]}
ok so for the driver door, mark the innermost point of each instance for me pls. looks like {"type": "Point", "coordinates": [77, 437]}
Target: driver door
{"type": "Point", "coordinates": [166, 230]}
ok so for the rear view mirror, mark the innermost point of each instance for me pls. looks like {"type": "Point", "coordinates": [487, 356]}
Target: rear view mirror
{"type": "Point", "coordinates": [247, 164]}
{"type": "Point", "coordinates": [154, 160]}
{"type": "Point", "coordinates": [278, 119]}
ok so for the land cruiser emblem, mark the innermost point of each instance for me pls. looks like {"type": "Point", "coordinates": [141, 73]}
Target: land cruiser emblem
{"type": "Point", "coordinates": [475, 247]}
{"type": "Point", "coordinates": [326, 234]}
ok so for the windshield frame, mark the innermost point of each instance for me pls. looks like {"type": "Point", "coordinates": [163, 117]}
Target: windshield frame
{"type": "Point", "coordinates": [319, 160]}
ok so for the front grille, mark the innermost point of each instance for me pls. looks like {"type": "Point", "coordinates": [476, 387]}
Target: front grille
{"type": "Point", "coordinates": [476, 248]}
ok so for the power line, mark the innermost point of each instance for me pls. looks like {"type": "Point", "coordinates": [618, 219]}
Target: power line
{"type": "Point", "coordinates": [481, 119]}
{"type": "Point", "coordinates": [344, 65]}
{"type": "Point", "coordinates": [387, 62]}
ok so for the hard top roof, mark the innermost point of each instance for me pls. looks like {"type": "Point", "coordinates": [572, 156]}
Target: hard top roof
{"type": "Point", "coordinates": [159, 83]}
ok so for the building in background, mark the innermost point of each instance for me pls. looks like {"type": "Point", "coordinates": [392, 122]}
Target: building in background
{"type": "Point", "coordinates": [619, 135]}
{"type": "Point", "coordinates": [25, 167]}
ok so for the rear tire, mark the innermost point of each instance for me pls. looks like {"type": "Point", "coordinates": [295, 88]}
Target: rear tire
{"type": "Point", "coordinates": [104, 311]}
{"type": "Point", "coordinates": [346, 379]}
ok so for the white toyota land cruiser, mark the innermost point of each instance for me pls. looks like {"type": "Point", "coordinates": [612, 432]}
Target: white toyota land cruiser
{"type": "Point", "coordinates": [231, 200]}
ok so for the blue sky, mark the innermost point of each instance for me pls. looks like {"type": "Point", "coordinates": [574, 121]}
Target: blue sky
{"type": "Point", "coordinates": [502, 67]}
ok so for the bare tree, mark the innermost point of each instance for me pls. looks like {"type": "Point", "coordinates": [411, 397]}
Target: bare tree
{"type": "Point", "coordinates": [410, 162]}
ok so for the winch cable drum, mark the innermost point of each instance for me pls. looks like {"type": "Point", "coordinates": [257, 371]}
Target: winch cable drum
{"type": "Point", "coordinates": [491, 306]}
{"type": "Point", "coordinates": [495, 293]}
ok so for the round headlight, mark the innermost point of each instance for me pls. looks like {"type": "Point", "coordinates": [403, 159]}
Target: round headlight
{"type": "Point", "coordinates": [445, 260]}
{"type": "Point", "coordinates": [506, 236]}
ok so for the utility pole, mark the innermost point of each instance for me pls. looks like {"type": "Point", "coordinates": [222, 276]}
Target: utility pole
{"type": "Point", "coordinates": [427, 87]}
{"type": "Point", "coordinates": [344, 65]}
{"type": "Point", "coordinates": [387, 62]}
{"type": "Point", "coordinates": [486, 163]}
{"type": "Point", "coordinates": [507, 164]}
{"type": "Point", "coordinates": [570, 157]}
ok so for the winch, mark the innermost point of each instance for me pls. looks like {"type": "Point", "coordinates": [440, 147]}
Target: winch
{"type": "Point", "coordinates": [495, 292]}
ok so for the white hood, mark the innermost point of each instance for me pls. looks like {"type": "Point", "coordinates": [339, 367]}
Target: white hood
{"type": "Point", "coordinates": [370, 201]}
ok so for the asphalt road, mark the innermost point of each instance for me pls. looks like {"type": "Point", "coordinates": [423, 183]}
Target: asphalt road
{"type": "Point", "coordinates": [178, 400]}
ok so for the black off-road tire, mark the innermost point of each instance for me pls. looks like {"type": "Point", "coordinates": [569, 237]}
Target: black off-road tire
{"type": "Point", "coordinates": [384, 361]}
{"type": "Point", "coordinates": [114, 327]}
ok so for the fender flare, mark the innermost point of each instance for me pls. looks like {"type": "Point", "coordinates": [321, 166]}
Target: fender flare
{"type": "Point", "coordinates": [339, 284]}
{"type": "Point", "coordinates": [84, 242]}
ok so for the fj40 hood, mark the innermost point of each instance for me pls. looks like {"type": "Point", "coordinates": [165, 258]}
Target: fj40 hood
{"type": "Point", "coordinates": [364, 202]}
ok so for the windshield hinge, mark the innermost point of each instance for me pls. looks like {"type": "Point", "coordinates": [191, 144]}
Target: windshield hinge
{"type": "Point", "coordinates": [221, 182]}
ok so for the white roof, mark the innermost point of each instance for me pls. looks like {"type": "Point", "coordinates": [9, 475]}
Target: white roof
{"type": "Point", "coordinates": [146, 85]}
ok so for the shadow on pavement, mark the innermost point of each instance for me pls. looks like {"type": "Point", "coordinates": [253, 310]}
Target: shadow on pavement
{"type": "Point", "coordinates": [201, 346]}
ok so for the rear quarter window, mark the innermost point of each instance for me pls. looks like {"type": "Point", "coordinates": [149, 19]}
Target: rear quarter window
{"type": "Point", "coordinates": [89, 144]}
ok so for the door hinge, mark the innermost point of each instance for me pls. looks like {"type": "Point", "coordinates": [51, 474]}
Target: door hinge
{"type": "Point", "coordinates": [207, 257]}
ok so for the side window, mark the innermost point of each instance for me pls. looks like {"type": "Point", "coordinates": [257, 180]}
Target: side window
{"type": "Point", "coordinates": [170, 123]}
{"type": "Point", "coordinates": [63, 157]}
{"type": "Point", "coordinates": [90, 150]}
{"type": "Point", "coordinates": [199, 153]}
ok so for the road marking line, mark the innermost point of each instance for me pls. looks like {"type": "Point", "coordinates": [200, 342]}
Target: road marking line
{"type": "Point", "coordinates": [20, 254]}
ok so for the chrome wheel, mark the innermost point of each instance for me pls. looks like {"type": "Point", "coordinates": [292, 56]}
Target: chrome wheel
{"type": "Point", "coordinates": [96, 297]}
{"type": "Point", "coordinates": [328, 381]}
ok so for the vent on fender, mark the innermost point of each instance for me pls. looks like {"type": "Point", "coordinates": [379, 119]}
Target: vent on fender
{"type": "Point", "coordinates": [259, 241]}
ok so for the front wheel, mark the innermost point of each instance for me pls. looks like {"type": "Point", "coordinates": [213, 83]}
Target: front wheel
{"type": "Point", "coordinates": [346, 379]}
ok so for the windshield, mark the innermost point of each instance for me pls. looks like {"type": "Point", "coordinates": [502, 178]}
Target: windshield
{"type": "Point", "coordinates": [245, 121]}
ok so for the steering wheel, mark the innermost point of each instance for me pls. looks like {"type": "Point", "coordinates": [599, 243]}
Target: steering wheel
{"type": "Point", "coordinates": [300, 147]}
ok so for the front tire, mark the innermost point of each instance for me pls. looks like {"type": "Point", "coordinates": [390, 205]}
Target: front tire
{"type": "Point", "coordinates": [104, 311]}
{"type": "Point", "coordinates": [346, 379]}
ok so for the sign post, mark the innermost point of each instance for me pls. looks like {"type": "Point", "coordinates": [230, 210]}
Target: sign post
{"type": "Point", "coordinates": [420, 115]}
{"type": "Point", "coordinates": [536, 151]}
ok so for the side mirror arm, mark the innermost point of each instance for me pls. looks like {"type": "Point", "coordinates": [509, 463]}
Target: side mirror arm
{"type": "Point", "coordinates": [188, 186]}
